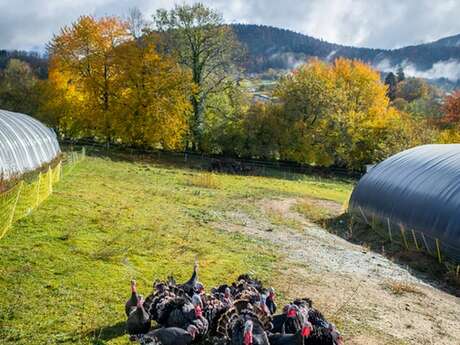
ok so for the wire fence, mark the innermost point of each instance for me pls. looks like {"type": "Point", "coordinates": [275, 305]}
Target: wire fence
{"type": "Point", "coordinates": [222, 163]}
{"type": "Point", "coordinates": [410, 239]}
{"type": "Point", "coordinates": [26, 195]}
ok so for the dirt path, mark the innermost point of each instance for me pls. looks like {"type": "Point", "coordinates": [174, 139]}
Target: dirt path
{"type": "Point", "coordinates": [372, 299]}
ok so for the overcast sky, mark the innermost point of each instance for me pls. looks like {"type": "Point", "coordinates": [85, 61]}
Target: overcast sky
{"type": "Point", "coordinates": [29, 24]}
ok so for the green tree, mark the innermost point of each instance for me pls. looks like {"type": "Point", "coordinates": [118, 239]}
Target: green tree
{"type": "Point", "coordinates": [412, 88]}
{"type": "Point", "coordinates": [400, 74]}
{"type": "Point", "coordinates": [391, 83]}
{"type": "Point", "coordinates": [201, 41]}
{"type": "Point", "coordinates": [17, 88]}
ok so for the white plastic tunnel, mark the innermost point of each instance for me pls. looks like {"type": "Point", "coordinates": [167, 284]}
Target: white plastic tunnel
{"type": "Point", "coordinates": [25, 144]}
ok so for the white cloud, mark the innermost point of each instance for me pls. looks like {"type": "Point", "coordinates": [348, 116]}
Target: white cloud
{"type": "Point", "coordinates": [26, 24]}
{"type": "Point", "coordinates": [449, 69]}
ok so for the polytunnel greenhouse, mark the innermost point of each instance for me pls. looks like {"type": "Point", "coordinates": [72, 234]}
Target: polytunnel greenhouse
{"type": "Point", "coordinates": [415, 192]}
{"type": "Point", "coordinates": [25, 144]}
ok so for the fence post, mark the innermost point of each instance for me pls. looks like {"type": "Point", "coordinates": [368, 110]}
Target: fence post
{"type": "Point", "coordinates": [13, 211]}
{"type": "Point", "coordinates": [58, 171]}
{"type": "Point", "coordinates": [403, 234]}
{"type": "Point", "coordinates": [458, 270]}
{"type": "Point", "coordinates": [38, 188]}
{"type": "Point", "coordinates": [425, 243]}
{"type": "Point", "coordinates": [389, 229]}
{"type": "Point", "coordinates": [415, 240]}
{"type": "Point", "coordinates": [50, 181]}
{"type": "Point", "coordinates": [364, 216]}
{"type": "Point", "coordinates": [438, 249]}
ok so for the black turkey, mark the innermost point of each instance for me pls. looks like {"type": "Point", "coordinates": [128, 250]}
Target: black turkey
{"type": "Point", "coordinates": [298, 338]}
{"type": "Point", "coordinates": [243, 323]}
{"type": "Point", "coordinates": [138, 320]}
{"type": "Point", "coordinates": [270, 301]}
{"type": "Point", "coordinates": [324, 336]}
{"type": "Point", "coordinates": [170, 336]}
{"type": "Point", "coordinates": [189, 286]}
{"type": "Point", "coordinates": [248, 331]}
{"type": "Point", "coordinates": [289, 322]}
{"type": "Point", "coordinates": [131, 304]}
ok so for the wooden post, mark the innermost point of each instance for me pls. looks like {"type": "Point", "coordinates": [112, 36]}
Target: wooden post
{"type": "Point", "coordinates": [389, 229]}
{"type": "Point", "coordinates": [403, 234]}
{"type": "Point", "coordinates": [59, 170]}
{"type": "Point", "coordinates": [50, 181]}
{"type": "Point", "coordinates": [426, 243]}
{"type": "Point", "coordinates": [438, 248]}
{"type": "Point", "coordinates": [15, 203]}
{"type": "Point", "coordinates": [38, 189]}
{"type": "Point", "coordinates": [415, 240]}
{"type": "Point", "coordinates": [458, 270]}
{"type": "Point", "coordinates": [364, 216]}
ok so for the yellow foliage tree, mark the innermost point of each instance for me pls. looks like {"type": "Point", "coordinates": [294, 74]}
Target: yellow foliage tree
{"type": "Point", "coordinates": [153, 105]}
{"type": "Point", "coordinates": [108, 84]}
{"type": "Point", "coordinates": [85, 50]}
{"type": "Point", "coordinates": [338, 114]}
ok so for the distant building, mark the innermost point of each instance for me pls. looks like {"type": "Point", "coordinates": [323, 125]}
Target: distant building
{"type": "Point", "coordinates": [259, 97]}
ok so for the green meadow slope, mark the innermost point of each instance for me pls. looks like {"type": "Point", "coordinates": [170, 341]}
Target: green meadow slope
{"type": "Point", "coordinates": [65, 269]}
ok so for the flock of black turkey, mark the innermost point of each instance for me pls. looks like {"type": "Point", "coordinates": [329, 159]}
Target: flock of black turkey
{"type": "Point", "coordinates": [242, 313]}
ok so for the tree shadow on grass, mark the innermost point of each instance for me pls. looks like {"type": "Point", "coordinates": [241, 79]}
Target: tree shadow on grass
{"type": "Point", "coordinates": [100, 335]}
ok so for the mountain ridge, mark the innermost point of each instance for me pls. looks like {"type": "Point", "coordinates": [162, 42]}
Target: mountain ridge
{"type": "Point", "coordinates": [272, 47]}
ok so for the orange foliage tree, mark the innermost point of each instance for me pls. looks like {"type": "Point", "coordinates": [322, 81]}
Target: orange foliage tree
{"type": "Point", "coordinates": [106, 83]}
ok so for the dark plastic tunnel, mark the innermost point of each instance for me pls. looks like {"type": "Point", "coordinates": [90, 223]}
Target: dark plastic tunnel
{"type": "Point", "coordinates": [418, 189]}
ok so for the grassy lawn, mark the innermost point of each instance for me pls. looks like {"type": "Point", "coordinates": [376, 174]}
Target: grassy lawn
{"type": "Point", "coordinates": [65, 269]}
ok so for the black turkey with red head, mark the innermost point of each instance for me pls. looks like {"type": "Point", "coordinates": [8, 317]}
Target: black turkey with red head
{"type": "Point", "coordinates": [289, 322]}
{"type": "Point", "coordinates": [244, 324]}
{"type": "Point", "coordinates": [131, 304]}
{"type": "Point", "coordinates": [138, 320]}
{"type": "Point", "coordinates": [298, 338]}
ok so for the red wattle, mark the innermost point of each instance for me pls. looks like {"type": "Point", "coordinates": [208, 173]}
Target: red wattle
{"type": "Point", "coordinates": [198, 311]}
{"type": "Point", "coordinates": [292, 313]}
{"type": "Point", "coordinates": [248, 338]}
{"type": "Point", "coordinates": [306, 331]}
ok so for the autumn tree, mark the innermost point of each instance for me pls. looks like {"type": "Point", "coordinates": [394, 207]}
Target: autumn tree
{"type": "Point", "coordinates": [412, 88]}
{"type": "Point", "coordinates": [85, 50]}
{"type": "Point", "coordinates": [201, 41]}
{"type": "Point", "coordinates": [17, 88]}
{"type": "Point", "coordinates": [108, 81]}
{"type": "Point", "coordinates": [152, 105]}
{"type": "Point", "coordinates": [451, 110]}
{"type": "Point", "coordinates": [337, 114]}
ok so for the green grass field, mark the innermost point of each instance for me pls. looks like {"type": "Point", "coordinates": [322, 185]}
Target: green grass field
{"type": "Point", "coordinates": [65, 269]}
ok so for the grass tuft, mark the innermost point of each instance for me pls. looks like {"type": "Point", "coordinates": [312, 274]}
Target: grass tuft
{"type": "Point", "coordinates": [204, 180]}
{"type": "Point", "coordinates": [401, 288]}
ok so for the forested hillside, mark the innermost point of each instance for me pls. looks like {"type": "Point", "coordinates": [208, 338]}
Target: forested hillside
{"type": "Point", "coordinates": [270, 47]}
{"type": "Point", "coordinates": [38, 63]}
